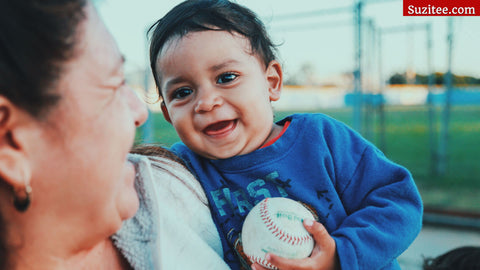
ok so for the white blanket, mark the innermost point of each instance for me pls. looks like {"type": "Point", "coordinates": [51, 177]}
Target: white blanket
{"type": "Point", "coordinates": [173, 228]}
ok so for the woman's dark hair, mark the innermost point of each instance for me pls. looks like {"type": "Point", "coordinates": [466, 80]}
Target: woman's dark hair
{"type": "Point", "coordinates": [462, 258]}
{"type": "Point", "coordinates": [215, 15]}
{"type": "Point", "coordinates": [3, 245]}
{"type": "Point", "coordinates": [36, 38]}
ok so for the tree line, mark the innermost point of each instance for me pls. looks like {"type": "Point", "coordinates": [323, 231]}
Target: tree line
{"type": "Point", "coordinates": [401, 78]}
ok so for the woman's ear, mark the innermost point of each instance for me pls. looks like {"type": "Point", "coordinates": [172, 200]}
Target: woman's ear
{"type": "Point", "coordinates": [275, 80]}
{"type": "Point", "coordinates": [165, 112]}
{"type": "Point", "coordinates": [14, 164]}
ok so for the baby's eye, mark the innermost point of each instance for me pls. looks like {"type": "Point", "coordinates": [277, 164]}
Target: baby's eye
{"type": "Point", "coordinates": [181, 93]}
{"type": "Point", "coordinates": [226, 78]}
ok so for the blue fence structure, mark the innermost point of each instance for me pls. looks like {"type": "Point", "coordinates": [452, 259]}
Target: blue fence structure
{"type": "Point", "coordinates": [459, 96]}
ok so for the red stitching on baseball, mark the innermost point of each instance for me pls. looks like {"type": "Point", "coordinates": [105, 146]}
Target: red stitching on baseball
{"type": "Point", "coordinates": [281, 235]}
{"type": "Point", "coordinates": [261, 261]}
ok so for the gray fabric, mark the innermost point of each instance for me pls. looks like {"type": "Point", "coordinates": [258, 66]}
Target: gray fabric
{"type": "Point", "coordinates": [173, 227]}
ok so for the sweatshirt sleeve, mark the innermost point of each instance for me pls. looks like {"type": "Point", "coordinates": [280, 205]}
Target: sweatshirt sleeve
{"type": "Point", "coordinates": [384, 213]}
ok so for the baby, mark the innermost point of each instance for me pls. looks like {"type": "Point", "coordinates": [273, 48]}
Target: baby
{"type": "Point", "coordinates": [216, 71]}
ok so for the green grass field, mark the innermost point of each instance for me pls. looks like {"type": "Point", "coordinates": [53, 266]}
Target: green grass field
{"type": "Point", "coordinates": [407, 143]}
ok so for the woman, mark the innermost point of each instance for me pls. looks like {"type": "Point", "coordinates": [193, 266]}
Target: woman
{"type": "Point", "coordinates": [67, 124]}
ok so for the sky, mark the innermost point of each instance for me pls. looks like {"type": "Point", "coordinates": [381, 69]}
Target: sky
{"type": "Point", "coordinates": [323, 41]}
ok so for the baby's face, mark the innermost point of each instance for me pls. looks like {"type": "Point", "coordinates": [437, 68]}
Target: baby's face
{"type": "Point", "coordinates": [217, 93]}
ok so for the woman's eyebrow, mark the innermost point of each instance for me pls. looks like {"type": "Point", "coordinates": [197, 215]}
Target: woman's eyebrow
{"type": "Point", "coordinates": [115, 72]}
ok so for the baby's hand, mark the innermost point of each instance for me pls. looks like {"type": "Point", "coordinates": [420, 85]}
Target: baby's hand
{"type": "Point", "coordinates": [324, 255]}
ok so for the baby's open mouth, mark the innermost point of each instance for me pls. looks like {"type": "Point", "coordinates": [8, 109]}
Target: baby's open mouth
{"type": "Point", "coordinates": [220, 128]}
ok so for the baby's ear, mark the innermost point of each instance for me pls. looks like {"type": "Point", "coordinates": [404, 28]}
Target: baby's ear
{"type": "Point", "coordinates": [275, 80]}
{"type": "Point", "coordinates": [14, 163]}
{"type": "Point", "coordinates": [165, 112]}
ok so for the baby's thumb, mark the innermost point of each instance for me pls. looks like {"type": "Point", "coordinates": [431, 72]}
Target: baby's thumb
{"type": "Point", "coordinates": [318, 231]}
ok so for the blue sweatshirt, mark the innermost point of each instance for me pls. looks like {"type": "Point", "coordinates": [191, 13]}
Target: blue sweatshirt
{"type": "Point", "coordinates": [368, 204]}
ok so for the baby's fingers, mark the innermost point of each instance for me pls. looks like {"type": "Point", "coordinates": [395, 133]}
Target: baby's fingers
{"type": "Point", "coordinates": [257, 266]}
{"type": "Point", "coordinates": [290, 264]}
{"type": "Point", "coordinates": [323, 257]}
{"type": "Point", "coordinates": [323, 240]}
{"type": "Point", "coordinates": [325, 250]}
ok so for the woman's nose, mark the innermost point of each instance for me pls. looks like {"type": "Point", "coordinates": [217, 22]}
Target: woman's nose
{"type": "Point", "coordinates": [137, 107]}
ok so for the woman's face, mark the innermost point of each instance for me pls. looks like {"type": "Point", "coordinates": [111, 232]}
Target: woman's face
{"type": "Point", "coordinates": [80, 174]}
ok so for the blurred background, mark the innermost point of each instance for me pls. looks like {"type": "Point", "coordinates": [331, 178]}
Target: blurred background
{"type": "Point", "coordinates": [411, 85]}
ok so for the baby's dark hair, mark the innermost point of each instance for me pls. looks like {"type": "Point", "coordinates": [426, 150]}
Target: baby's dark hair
{"type": "Point", "coordinates": [462, 258]}
{"type": "Point", "coordinates": [210, 15]}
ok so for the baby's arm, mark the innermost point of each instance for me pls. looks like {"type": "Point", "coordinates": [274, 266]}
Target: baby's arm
{"type": "Point", "coordinates": [384, 217]}
{"type": "Point", "coordinates": [384, 214]}
{"type": "Point", "coordinates": [324, 255]}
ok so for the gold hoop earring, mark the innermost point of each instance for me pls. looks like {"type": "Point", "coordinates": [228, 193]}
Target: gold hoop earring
{"type": "Point", "coordinates": [22, 204]}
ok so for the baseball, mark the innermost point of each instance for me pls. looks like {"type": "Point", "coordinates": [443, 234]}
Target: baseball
{"type": "Point", "coordinates": [275, 225]}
